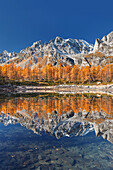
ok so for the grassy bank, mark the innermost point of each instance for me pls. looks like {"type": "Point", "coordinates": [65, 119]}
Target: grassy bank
{"type": "Point", "coordinates": [48, 83]}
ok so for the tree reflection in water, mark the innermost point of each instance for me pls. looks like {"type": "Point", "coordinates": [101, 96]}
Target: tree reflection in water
{"type": "Point", "coordinates": [61, 115]}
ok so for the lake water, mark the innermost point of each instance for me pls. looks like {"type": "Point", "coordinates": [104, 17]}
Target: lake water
{"type": "Point", "coordinates": [52, 131]}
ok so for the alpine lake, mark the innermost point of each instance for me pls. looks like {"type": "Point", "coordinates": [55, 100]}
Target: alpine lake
{"type": "Point", "coordinates": [56, 131]}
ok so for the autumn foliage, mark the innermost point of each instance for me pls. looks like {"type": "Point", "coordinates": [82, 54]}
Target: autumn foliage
{"type": "Point", "coordinates": [59, 73]}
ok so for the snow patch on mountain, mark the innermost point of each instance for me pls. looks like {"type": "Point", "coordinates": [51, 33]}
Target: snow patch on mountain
{"type": "Point", "coordinates": [58, 50]}
{"type": "Point", "coordinates": [61, 51]}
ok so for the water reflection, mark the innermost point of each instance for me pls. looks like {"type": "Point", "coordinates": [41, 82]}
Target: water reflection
{"type": "Point", "coordinates": [59, 115]}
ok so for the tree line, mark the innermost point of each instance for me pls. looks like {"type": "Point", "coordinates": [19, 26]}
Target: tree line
{"type": "Point", "coordinates": [59, 73]}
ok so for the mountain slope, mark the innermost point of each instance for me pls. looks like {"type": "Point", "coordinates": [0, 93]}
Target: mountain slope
{"type": "Point", "coordinates": [102, 53]}
{"type": "Point", "coordinates": [105, 45]}
{"type": "Point", "coordinates": [59, 50]}
{"type": "Point", "coordinates": [63, 51]}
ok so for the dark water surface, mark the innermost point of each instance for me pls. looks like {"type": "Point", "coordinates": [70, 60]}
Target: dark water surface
{"type": "Point", "coordinates": [56, 132]}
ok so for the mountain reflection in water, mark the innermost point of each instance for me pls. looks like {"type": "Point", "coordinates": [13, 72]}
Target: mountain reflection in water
{"type": "Point", "coordinates": [72, 115]}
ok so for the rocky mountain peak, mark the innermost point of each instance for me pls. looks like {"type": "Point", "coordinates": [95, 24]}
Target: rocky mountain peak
{"type": "Point", "coordinates": [97, 44]}
{"type": "Point", "coordinates": [62, 51]}
{"type": "Point", "coordinates": [108, 38]}
{"type": "Point", "coordinates": [58, 40]}
{"type": "Point", "coordinates": [105, 45]}
{"type": "Point", "coordinates": [5, 51]}
{"type": "Point", "coordinates": [37, 44]}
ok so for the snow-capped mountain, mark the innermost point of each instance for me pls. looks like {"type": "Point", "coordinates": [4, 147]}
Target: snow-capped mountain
{"type": "Point", "coordinates": [5, 56]}
{"type": "Point", "coordinates": [59, 50]}
{"type": "Point", "coordinates": [105, 45]}
{"type": "Point", "coordinates": [63, 51]}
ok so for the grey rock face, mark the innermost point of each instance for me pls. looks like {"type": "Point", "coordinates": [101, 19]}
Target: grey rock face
{"type": "Point", "coordinates": [57, 51]}
{"type": "Point", "coordinates": [105, 45]}
{"type": "Point", "coordinates": [62, 51]}
{"type": "Point", "coordinates": [5, 56]}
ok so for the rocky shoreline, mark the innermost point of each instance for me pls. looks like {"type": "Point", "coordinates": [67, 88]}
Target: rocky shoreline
{"type": "Point", "coordinates": [101, 89]}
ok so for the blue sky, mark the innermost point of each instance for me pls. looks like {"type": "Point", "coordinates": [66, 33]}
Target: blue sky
{"type": "Point", "coordinates": [24, 21]}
